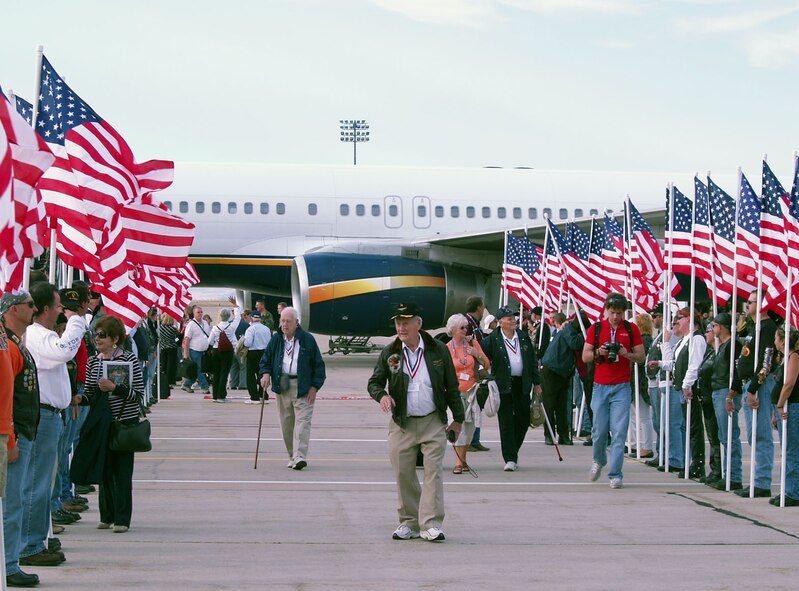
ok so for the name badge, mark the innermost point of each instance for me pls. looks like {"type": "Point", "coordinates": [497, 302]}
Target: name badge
{"type": "Point", "coordinates": [464, 377]}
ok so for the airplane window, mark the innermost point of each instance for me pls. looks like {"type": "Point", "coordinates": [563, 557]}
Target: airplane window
{"type": "Point", "coordinates": [486, 212]}
{"type": "Point", "coordinates": [470, 212]}
{"type": "Point", "coordinates": [501, 213]}
{"type": "Point", "coordinates": [517, 213]}
{"type": "Point", "coordinates": [344, 209]}
{"type": "Point", "coordinates": [199, 207]}
{"type": "Point", "coordinates": [393, 211]}
{"type": "Point", "coordinates": [280, 208]}
{"type": "Point", "coordinates": [248, 207]}
{"type": "Point", "coordinates": [532, 213]}
{"type": "Point", "coordinates": [183, 207]}
{"type": "Point", "coordinates": [216, 207]}
{"type": "Point", "coordinates": [264, 208]}
{"type": "Point", "coordinates": [231, 207]}
{"type": "Point", "coordinates": [312, 209]}
{"type": "Point", "coordinates": [593, 212]}
{"type": "Point", "coordinates": [563, 213]}
{"type": "Point", "coordinates": [360, 209]}
{"type": "Point", "coordinates": [439, 211]}
{"type": "Point", "coordinates": [454, 211]}
{"type": "Point", "coordinates": [376, 210]}
{"type": "Point", "coordinates": [168, 205]}
{"type": "Point", "coordinates": [421, 211]}
{"type": "Point", "coordinates": [548, 212]}
{"type": "Point", "coordinates": [578, 213]}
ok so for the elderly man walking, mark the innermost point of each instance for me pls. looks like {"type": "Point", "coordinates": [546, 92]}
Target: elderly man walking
{"type": "Point", "coordinates": [294, 366]}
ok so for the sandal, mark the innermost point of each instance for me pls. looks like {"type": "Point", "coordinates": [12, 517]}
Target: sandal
{"type": "Point", "coordinates": [457, 470]}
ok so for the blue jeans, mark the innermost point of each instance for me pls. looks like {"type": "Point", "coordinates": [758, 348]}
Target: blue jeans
{"type": "Point", "coordinates": [610, 404]}
{"type": "Point", "coordinates": [792, 453]}
{"type": "Point", "coordinates": [43, 462]}
{"type": "Point", "coordinates": [676, 429]}
{"type": "Point", "coordinates": [64, 447]}
{"type": "Point", "coordinates": [654, 398]}
{"type": "Point", "coordinates": [764, 454]}
{"type": "Point", "coordinates": [719, 405]}
{"type": "Point", "coordinates": [73, 427]}
{"type": "Point", "coordinates": [14, 507]}
{"type": "Point", "coordinates": [197, 357]}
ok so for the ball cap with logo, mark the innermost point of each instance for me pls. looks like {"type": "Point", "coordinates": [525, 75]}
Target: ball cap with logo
{"type": "Point", "coordinates": [409, 310]}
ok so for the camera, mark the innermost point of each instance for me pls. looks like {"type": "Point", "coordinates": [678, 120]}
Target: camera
{"type": "Point", "coordinates": [613, 351]}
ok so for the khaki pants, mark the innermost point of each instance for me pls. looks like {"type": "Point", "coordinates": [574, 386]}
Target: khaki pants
{"type": "Point", "coordinates": [295, 421]}
{"type": "Point", "coordinates": [419, 506]}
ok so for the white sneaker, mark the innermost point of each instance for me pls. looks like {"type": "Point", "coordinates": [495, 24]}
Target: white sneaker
{"type": "Point", "coordinates": [596, 471]}
{"type": "Point", "coordinates": [433, 535]}
{"type": "Point", "coordinates": [403, 532]}
{"type": "Point", "coordinates": [250, 401]}
{"type": "Point", "coordinates": [511, 467]}
{"type": "Point", "coordinates": [616, 483]}
{"type": "Point", "coordinates": [290, 464]}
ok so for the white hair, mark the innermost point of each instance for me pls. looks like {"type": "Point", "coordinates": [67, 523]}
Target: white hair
{"type": "Point", "coordinates": [291, 310]}
{"type": "Point", "coordinates": [455, 321]}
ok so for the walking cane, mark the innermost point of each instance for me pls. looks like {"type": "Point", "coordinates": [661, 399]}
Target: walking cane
{"type": "Point", "coordinates": [260, 423]}
{"type": "Point", "coordinates": [451, 438]}
{"type": "Point", "coordinates": [551, 433]}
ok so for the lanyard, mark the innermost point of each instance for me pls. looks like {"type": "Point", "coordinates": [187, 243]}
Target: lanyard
{"type": "Point", "coordinates": [512, 345]}
{"type": "Point", "coordinates": [463, 360]}
{"type": "Point", "coordinates": [413, 368]}
{"type": "Point", "coordinates": [290, 351]}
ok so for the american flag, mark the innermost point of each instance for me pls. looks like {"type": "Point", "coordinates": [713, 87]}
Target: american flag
{"type": "Point", "coordinates": [722, 219]}
{"type": "Point", "coordinates": [702, 253]}
{"type": "Point", "coordinates": [520, 273]}
{"type": "Point", "coordinates": [586, 285]}
{"type": "Point", "coordinates": [773, 238]}
{"type": "Point", "coordinates": [553, 277]}
{"type": "Point", "coordinates": [792, 220]}
{"type": "Point", "coordinates": [98, 193]}
{"type": "Point", "coordinates": [25, 157]}
{"type": "Point", "coordinates": [678, 230]}
{"type": "Point", "coordinates": [747, 235]}
{"type": "Point", "coordinates": [25, 109]}
{"type": "Point", "coordinates": [647, 263]}
{"type": "Point", "coordinates": [613, 256]}
{"type": "Point", "coordinates": [595, 252]}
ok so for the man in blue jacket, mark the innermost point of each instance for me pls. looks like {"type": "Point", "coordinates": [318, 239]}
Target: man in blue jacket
{"type": "Point", "coordinates": [294, 366]}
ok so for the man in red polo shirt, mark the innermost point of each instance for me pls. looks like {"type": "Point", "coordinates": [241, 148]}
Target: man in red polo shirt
{"type": "Point", "coordinates": [617, 345]}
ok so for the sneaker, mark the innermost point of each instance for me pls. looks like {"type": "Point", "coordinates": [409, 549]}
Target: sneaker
{"type": "Point", "coordinates": [186, 389]}
{"type": "Point", "coordinates": [74, 507]}
{"type": "Point", "coordinates": [403, 532]}
{"type": "Point", "coordinates": [61, 556]}
{"type": "Point", "coordinates": [21, 579]}
{"type": "Point", "coordinates": [120, 529]}
{"type": "Point", "coordinates": [103, 525]}
{"type": "Point", "coordinates": [511, 467]}
{"type": "Point", "coordinates": [43, 558]}
{"type": "Point", "coordinates": [251, 401]}
{"type": "Point", "coordinates": [58, 529]}
{"type": "Point", "coordinates": [616, 483]}
{"type": "Point", "coordinates": [290, 464]}
{"type": "Point", "coordinates": [84, 489]}
{"type": "Point", "coordinates": [433, 535]}
{"type": "Point", "coordinates": [596, 471]}
{"type": "Point", "coordinates": [78, 499]}
{"type": "Point", "coordinates": [300, 464]}
{"type": "Point", "coordinates": [53, 544]}
{"type": "Point", "coordinates": [62, 517]}
{"type": "Point", "coordinates": [207, 392]}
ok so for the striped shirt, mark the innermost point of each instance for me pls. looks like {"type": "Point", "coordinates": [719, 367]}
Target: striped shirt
{"type": "Point", "coordinates": [135, 396]}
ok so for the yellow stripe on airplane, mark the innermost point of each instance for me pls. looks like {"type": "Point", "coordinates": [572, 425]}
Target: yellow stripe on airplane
{"type": "Point", "coordinates": [353, 287]}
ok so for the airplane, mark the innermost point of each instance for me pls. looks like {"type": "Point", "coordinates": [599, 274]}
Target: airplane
{"type": "Point", "coordinates": [347, 243]}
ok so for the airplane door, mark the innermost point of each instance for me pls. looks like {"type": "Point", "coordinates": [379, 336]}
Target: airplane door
{"type": "Point", "coordinates": [392, 211]}
{"type": "Point", "coordinates": [421, 212]}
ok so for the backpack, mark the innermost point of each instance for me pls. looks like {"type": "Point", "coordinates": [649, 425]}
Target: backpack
{"type": "Point", "coordinates": [224, 341]}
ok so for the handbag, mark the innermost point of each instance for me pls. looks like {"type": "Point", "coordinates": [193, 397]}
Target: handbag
{"type": "Point", "coordinates": [129, 436]}
{"type": "Point", "coordinates": [537, 411]}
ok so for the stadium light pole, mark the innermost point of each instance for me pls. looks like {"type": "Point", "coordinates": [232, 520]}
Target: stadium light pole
{"type": "Point", "coordinates": [354, 130]}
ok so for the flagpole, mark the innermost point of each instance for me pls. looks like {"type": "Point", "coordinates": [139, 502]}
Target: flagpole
{"type": "Point", "coordinates": [691, 305]}
{"type": "Point", "coordinates": [542, 295]}
{"type": "Point", "coordinates": [667, 323]}
{"type": "Point", "coordinates": [753, 446]}
{"type": "Point", "coordinates": [584, 331]}
{"type": "Point", "coordinates": [503, 288]}
{"type": "Point", "coordinates": [631, 294]}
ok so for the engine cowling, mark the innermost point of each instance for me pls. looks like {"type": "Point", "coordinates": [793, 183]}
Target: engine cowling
{"type": "Point", "coordinates": [355, 294]}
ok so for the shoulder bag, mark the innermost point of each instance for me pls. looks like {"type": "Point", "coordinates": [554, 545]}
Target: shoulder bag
{"type": "Point", "coordinates": [129, 436]}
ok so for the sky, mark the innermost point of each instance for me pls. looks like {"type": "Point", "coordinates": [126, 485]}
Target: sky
{"type": "Point", "coordinates": [639, 85]}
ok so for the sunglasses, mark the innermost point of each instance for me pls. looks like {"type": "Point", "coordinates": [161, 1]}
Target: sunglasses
{"type": "Point", "coordinates": [30, 304]}
{"type": "Point", "coordinates": [100, 334]}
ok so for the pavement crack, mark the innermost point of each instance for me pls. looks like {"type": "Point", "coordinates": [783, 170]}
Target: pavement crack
{"type": "Point", "coordinates": [729, 513]}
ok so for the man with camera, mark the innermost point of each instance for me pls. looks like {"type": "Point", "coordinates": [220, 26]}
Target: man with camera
{"type": "Point", "coordinates": [610, 403]}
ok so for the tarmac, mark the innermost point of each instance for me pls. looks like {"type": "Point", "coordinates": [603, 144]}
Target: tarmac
{"type": "Point", "coordinates": [205, 519]}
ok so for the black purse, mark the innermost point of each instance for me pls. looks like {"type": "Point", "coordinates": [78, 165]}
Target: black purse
{"type": "Point", "coordinates": [129, 436]}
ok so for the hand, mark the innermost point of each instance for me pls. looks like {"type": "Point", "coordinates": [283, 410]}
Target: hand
{"type": "Point", "coordinates": [752, 400]}
{"type": "Point", "coordinates": [729, 405]}
{"type": "Point", "coordinates": [688, 393]}
{"type": "Point", "coordinates": [232, 300]}
{"type": "Point", "coordinates": [623, 352]}
{"type": "Point", "coordinates": [603, 350]}
{"type": "Point", "coordinates": [783, 412]}
{"type": "Point", "coordinates": [106, 385]}
{"type": "Point", "coordinates": [653, 364]}
{"type": "Point", "coordinates": [311, 395]}
{"type": "Point", "coordinates": [13, 454]}
{"type": "Point", "coordinates": [265, 379]}
{"type": "Point", "coordinates": [386, 402]}
{"type": "Point", "coordinates": [537, 390]}
{"type": "Point", "coordinates": [455, 428]}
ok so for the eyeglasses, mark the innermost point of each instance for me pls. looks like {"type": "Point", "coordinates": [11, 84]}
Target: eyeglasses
{"type": "Point", "coordinates": [464, 326]}
{"type": "Point", "coordinates": [100, 335]}
{"type": "Point", "coordinates": [29, 303]}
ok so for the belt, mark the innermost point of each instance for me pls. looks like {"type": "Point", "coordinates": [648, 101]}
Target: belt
{"type": "Point", "coordinates": [292, 377]}
{"type": "Point", "coordinates": [422, 416]}
{"type": "Point", "coordinates": [50, 408]}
